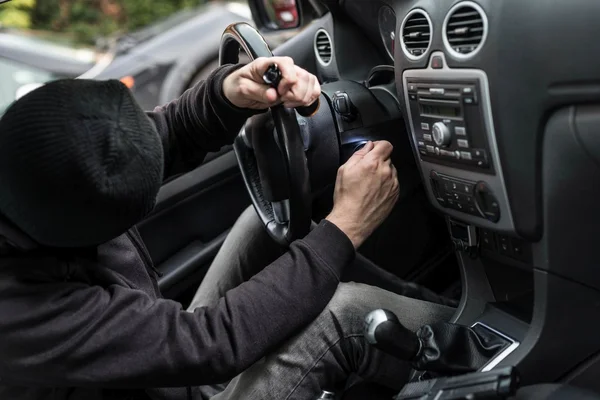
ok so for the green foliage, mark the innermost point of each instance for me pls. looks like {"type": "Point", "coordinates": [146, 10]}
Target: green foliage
{"type": "Point", "coordinates": [87, 20]}
{"type": "Point", "coordinates": [17, 13]}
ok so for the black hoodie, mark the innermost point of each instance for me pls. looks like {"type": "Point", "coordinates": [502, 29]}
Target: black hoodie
{"type": "Point", "coordinates": [75, 324]}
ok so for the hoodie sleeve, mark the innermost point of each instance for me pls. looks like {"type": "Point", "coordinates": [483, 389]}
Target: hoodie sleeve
{"type": "Point", "coordinates": [64, 334]}
{"type": "Point", "coordinates": [200, 121]}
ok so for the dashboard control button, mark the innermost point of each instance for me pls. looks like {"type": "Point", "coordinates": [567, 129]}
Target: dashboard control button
{"type": "Point", "coordinates": [487, 240]}
{"type": "Point", "coordinates": [412, 96]}
{"type": "Point", "coordinates": [457, 154]}
{"type": "Point", "coordinates": [437, 151]}
{"type": "Point", "coordinates": [465, 188]}
{"type": "Point", "coordinates": [460, 131]}
{"type": "Point", "coordinates": [437, 62]}
{"type": "Point", "coordinates": [430, 149]}
{"type": "Point", "coordinates": [423, 151]}
{"type": "Point", "coordinates": [487, 202]}
{"type": "Point", "coordinates": [427, 137]}
{"type": "Point", "coordinates": [441, 134]}
{"type": "Point", "coordinates": [412, 87]}
{"type": "Point", "coordinates": [504, 245]}
{"type": "Point", "coordinates": [421, 143]}
{"type": "Point", "coordinates": [473, 211]}
{"type": "Point", "coordinates": [469, 100]}
{"type": "Point", "coordinates": [424, 126]}
{"type": "Point", "coordinates": [463, 143]}
{"type": "Point", "coordinates": [447, 153]}
{"type": "Point", "coordinates": [467, 90]}
{"type": "Point", "coordinates": [465, 155]}
{"type": "Point", "coordinates": [435, 90]}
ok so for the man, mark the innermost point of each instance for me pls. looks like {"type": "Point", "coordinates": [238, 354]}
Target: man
{"type": "Point", "coordinates": [82, 316]}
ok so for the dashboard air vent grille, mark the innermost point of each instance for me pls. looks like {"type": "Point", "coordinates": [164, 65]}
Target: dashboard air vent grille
{"type": "Point", "coordinates": [416, 34]}
{"type": "Point", "coordinates": [323, 47]}
{"type": "Point", "coordinates": [465, 29]}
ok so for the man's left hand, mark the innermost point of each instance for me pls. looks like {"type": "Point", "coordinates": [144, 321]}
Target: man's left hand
{"type": "Point", "coordinates": [245, 87]}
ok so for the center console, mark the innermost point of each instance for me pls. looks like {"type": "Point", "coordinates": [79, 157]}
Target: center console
{"type": "Point", "coordinates": [452, 129]}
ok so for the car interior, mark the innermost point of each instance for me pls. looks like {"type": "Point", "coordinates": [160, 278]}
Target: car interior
{"type": "Point", "coordinates": [490, 106]}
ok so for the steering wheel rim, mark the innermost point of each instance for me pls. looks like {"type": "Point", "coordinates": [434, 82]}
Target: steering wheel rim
{"type": "Point", "coordinates": [273, 166]}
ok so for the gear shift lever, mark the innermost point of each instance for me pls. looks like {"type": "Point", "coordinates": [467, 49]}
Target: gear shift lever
{"type": "Point", "coordinates": [442, 347]}
{"type": "Point", "coordinates": [384, 331]}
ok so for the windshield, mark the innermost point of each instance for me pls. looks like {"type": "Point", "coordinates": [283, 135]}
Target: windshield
{"type": "Point", "coordinates": [165, 24]}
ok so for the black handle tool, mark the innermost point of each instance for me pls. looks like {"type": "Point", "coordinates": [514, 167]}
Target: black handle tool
{"type": "Point", "coordinates": [272, 77]}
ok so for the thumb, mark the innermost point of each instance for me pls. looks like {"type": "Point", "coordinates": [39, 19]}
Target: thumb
{"type": "Point", "coordinates": [359, 154]}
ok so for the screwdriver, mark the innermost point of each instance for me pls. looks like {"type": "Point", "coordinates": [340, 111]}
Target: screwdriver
{"type": "Point", "coordinates": [272, 77]}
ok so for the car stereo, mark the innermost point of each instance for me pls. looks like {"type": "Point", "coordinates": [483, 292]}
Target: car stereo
{"type": "Point", "coordinates": [453, 137]}
{"type": "Point", "coordinates": [449, 123]}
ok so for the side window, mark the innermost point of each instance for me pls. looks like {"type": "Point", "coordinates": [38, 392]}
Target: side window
{"type": "Point", "coordinates": [14, 75]}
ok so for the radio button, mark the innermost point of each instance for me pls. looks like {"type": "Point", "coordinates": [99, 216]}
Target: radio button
{"type": "Point", "coordinates": [479, 154]}
{"type": "Point", "coordinates": [463, 143]}
{"type": "Point", "coordinates": [430, 149]}
{"type": "Point", "coordinates": [424, 126]}
{"type": "Point", "coordinates": [427, 137]}
{"type": "Point", "coordinates": [460, 131]}
{"type": "Point", "coordinates": [437, 90]}
{"type": "Point", "coordinates": [465, 155]}
{"type": "Point", "coordinates": [441, 134]}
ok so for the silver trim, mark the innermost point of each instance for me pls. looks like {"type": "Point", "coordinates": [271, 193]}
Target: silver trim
{"type": "Point", "coordinates": [495, 182]}
{"type": "Point", "coordinates": [449, 48]}
{"type": "Point", "coordinates": [281, 211]}
{"type": "Point", "coordinates": [404, 50]}
{"type": "Point", "coordinates": [504, 353]}
{"type": "Point", "coordinates": [319, 59]}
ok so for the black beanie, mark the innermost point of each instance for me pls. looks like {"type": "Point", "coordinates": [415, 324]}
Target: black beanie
{"type": "Point", "coordinates": [80, 163]}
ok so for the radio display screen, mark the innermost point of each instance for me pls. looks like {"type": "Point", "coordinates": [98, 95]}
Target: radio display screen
{"type": "Point", "coordinates": [442, 111]}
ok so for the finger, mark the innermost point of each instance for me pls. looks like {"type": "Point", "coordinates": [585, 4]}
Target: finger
{"type": "Point", "coordinates": [289, 74]}
{"type": "Point", "coordinates": [260, 93]}
{"type": "Point", "coordinates": [300, 93]}
{"type": "Point", "coordinates": [382, 150]}
{"type": "Point", "coordinates": [360, 154]}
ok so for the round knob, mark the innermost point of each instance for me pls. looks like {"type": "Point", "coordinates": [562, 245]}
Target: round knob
{"type": "Point", "coordinates": [441, 134]}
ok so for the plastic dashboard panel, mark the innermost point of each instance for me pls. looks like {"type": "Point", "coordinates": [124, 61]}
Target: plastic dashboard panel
{"type": "Point", "coordinates": [496, 181]}
{"type": "Point", "coordinates": [538, 56]}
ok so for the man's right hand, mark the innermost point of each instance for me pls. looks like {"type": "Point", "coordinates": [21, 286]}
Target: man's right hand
{"type": "Point", "coordinates": [366, 190]}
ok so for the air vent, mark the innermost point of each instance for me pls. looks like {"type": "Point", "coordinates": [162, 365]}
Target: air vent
{"type": "Point", "coordinates": [416, 34]}
{"type": "Point", "coordinates": [465, 29]}
{"type": "Point", "coordinates": [323, 47]}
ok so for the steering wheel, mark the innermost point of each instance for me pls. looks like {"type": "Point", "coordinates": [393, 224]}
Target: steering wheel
{"type": "Point", "coordinates": [276, 150]}
{"type": "Point", "coordinates": [273, 164]}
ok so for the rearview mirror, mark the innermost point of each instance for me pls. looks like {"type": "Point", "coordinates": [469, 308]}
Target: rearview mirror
{"type": "Point", "coordinates": [279, 14]}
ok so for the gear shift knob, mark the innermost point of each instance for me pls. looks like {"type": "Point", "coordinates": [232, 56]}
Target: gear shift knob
{"type": "Point", "coordinates": [384, 331]}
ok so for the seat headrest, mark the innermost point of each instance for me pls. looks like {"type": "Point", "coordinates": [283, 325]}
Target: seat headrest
{"type": "Point", "coordinates": [15, 236]}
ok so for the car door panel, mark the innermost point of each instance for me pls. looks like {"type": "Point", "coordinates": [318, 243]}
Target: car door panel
{"type": "Point", "coordinates": [192, 216]}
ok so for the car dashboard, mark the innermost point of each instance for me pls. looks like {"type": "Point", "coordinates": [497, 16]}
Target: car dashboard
{"type": "Point", "coordinates": [501, 102]}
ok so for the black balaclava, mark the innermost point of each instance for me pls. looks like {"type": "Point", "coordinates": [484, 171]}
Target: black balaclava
{"type": "Point", "coordinates": [80, 163]}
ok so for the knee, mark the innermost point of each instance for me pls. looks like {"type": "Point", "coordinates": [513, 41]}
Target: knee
{"type": "Point", "coordinates": [349, 306]}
